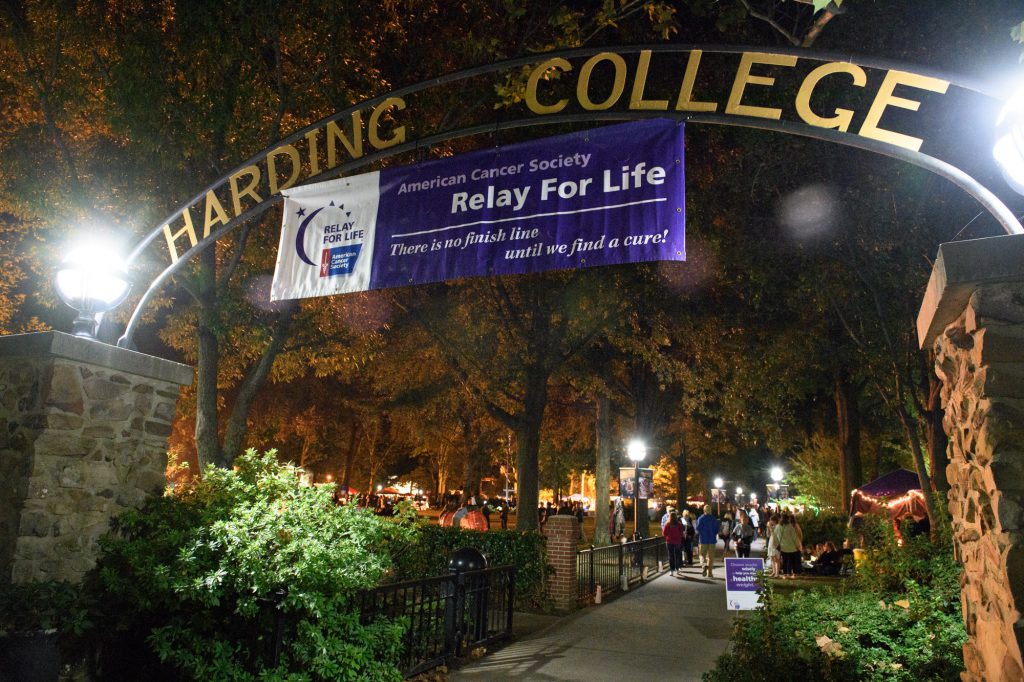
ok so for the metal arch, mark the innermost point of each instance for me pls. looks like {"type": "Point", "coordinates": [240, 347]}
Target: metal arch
{"type": "Point", "coordinates": [984, 196]}
{"type": "Point", "coordinates": [814, 55]}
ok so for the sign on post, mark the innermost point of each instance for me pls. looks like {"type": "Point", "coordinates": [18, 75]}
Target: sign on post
{"type": "Point", "coordinates": [626, 483]}
{"type": "Point", "coordinates": [741, 587]}
{"type": "Point", "coordinates": [599, 197]}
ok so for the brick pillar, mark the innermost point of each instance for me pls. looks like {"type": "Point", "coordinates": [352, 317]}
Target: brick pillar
{"type": "Point", "coordinates": [974, 319]}
{"type": "Point", "coordinates": [83, 436]}
{"type": "Point", "coordinates": [562, 533]}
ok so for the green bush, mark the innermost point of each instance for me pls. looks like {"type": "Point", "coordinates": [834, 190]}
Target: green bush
{"type": "Point", "coordinates": [823, 527]}
{"type": "Point", "coordinates": [205, 573]}
{"type": "Point", "coordinates": [428, 555]}
{"type": "Point", "coordinates": [42, 606]}
{"type": "Point", "coordinates": [899, 619]}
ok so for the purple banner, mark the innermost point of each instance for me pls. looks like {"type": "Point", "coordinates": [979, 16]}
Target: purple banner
{"type": "Point", "coordinates": [599, 197]}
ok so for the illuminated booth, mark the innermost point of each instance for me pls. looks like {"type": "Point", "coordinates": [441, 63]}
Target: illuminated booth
{"type": "Point", "coordinates": [897, 494]}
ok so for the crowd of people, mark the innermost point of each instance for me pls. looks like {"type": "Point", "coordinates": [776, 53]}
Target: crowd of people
{"type": "Point", "coordinates": [738, 528]}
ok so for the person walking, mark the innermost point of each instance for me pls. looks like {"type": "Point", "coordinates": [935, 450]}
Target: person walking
{"type": "Point", "coordinates": [689, 533]}
{"type": "Point", "coordinates": [665, 518]}
{"type": "Point", "coordinates": [707, 531]}
{"type": "Point", "coordinates": [725, 532]}
{"type": "Point", "coordinates": [620, 519]}
{"type": "Point", "coordinates": [790, 546]}
{"type": "Point", "coordinates": [744, 534]}
{"type": "Point", "coordinates": [504, 515]}
{"type": "Point", "coordinates": [773, 548]}
{"type": "Point", "coordinates": [673, 532]}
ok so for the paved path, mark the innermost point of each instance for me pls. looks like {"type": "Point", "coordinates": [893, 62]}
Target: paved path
{"type": "Point", "coordinates": [668, 629]}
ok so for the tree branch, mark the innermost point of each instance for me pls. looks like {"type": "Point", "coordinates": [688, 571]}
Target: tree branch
{"type": "Point", "coordinates": [793, 40]}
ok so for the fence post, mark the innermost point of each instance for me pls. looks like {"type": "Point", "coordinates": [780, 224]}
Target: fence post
{"type": "Point", "coordinates": [510, 604]}
{"type": "Point", "coordinates": [593, 575]}
{"type": "Point", "coordinates": [623, 578]}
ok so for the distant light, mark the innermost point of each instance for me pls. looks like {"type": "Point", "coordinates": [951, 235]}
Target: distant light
{"type": "Point", "coordinates": [719, 482]}
{"type": "Point", "coordinates": [636, 450]}
{"type": "Point", "coordinates": [777, 474]}
{"type": "Point", "coordinates": [379, 487]}
{"type": "Point", "coordinates": [1008, 149]}
{"type": "Point", "coordinates": [739, 491]}
{"type": "Point", "coordinates": [91, 279]}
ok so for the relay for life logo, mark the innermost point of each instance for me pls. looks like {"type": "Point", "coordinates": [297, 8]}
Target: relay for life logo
{"type": "Point", "coordinates": [339, 236]}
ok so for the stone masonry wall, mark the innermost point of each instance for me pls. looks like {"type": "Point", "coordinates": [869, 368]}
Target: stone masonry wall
{"type": "Point", "coordinates": [79, 443]}
{"type": "Point", "coordinates": [980, 358]}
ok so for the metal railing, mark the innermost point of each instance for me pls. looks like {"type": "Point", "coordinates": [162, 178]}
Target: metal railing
{"type": "Point", "coordinates": [617, 566]}
{"type": "Point", "coordinates": [445, 616]}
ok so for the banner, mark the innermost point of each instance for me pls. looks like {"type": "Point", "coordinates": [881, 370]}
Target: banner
{"type": "Point", "coordinates": [599, 197]}
{"type": "Point", "coordinates": [741, 588]}
{"type": "Point", "coordinates": [626, 483]}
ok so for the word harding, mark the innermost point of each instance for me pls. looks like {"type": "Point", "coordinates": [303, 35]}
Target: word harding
{"type": "Point", "coordinates": [318, 150]}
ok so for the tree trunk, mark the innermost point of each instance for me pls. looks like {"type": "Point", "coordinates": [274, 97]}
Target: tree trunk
{"type": "Point", "coordinates": [238, 421]}
{"type": "Point", "coordinates": [208, 447]}
{"type": "Point", "coordinates": [353, 441]}
{"type": "Point", "coordinates": [848, 421]}
{"type": "Point", "coordinates": [602, 471]}
{"type": "Point", "coordinates": [682, 470]}
{"type": "Point", "coordinates": [910, 429]}
{"type": "Point", "coordinates": [528, 446]}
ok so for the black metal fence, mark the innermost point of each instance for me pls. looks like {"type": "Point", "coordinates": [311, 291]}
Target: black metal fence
{"type": "Point", "coordinates": [615, 565]}
{"type": "Point", "coordinates": [447, 615]}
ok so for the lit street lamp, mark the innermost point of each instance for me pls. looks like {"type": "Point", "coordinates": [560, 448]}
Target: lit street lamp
{"type": "Point", "coordinates": [636, 451]}
{"type": "Point", "coordinates": [92, 280]}
{"type": "Point", "coordinates": [717, 493]}
{"type": "Point", "coordinates": [1009, 146]}
{"type": "Point", "coordinates": [773, 488]}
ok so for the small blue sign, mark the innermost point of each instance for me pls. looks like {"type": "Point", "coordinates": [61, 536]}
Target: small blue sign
{"type": "Point", "coordinates": [339, 261]}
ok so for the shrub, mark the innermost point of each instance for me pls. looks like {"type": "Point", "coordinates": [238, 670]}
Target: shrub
{"type": "Point", "coordinates": [428, 555]}
{"type": "Point", "coordinates": [823, 527]}
{"type": "Point", "coordinates": [207, 574]}
{"type": "Point", "coordinates": [899, 619]}
{"type": "Point", "coordinates": [42, 606]}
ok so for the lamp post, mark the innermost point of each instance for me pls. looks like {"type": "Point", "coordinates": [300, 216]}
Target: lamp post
{"type": "Point", "coordinates": [739, 493]}
{"type": "Point", "coordinates": [636, 451]}
{"type": "Point", "coordinates": [717, 492]}
{"type": "Point", "coordinates": [776, 475]}
{"type": "Point", "coordinates": [92, 280]}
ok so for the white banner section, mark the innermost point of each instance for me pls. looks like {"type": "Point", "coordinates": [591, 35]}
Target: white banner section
{"type": "Point", "coordinates": [327, 238]}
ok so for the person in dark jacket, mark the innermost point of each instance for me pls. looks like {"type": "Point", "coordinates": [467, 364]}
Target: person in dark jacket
{"type": "Point", "coordinates": [744, 533]}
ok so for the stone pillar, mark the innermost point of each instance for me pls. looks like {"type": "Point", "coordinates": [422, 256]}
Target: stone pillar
{"type": "Point", "coordinates": [973, 316]}
{"type": "Point", "coordinates": [562, 532]}
{"type": "Point", "coordinates": [83, 436]}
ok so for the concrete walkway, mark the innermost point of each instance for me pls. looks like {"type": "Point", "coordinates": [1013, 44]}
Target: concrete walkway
{"type": "Point", "coordinates": [668, 629]}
